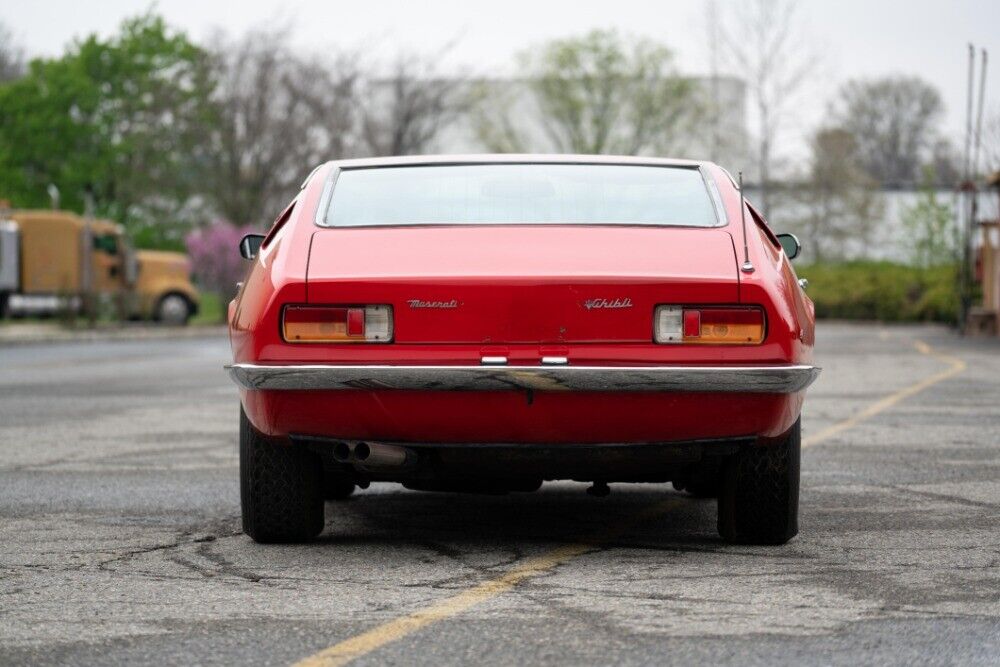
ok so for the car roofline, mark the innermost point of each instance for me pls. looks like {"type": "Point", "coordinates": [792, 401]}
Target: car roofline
{"type": "Point", "coordinates": [513, 158]}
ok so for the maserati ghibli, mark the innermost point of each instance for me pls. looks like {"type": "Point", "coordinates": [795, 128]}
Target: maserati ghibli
{"type": "Point", "coordinates": [488, 323]}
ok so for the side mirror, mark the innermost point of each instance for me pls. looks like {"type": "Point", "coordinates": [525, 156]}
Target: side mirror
{"type": "Point", "coordinates": [790, 244]}
{"type": "Point", "coordinates": [250, 245]}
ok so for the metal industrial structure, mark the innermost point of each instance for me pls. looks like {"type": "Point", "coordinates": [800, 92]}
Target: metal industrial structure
{"type": "Point", "coordinates": [986, 318]}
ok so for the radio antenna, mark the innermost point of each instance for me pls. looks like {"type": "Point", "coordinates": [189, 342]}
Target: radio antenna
{"type": "Point", "coordinates": [747, 264]}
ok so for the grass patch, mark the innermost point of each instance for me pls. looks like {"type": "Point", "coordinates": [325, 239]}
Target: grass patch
{"type": "Point", "coordinates": [883, 291]}
{"type": "Point", "coordinates": [211, 310]}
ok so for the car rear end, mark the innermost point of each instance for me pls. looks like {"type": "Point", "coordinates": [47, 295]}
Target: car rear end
{"type": "Point", "coordinates": [488, 326]}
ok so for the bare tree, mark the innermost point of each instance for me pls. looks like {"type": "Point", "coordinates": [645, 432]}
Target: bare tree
{"type": "Point", "coordinates": [764, 42]}
{"type": "Point", "coordinates": [278, 114]}
{"type": "Point", "coordinates": [894, 121]}
{"type": "Point", "coordinates": [599, 93]}
{"type": "Point", "coordinates": [945, 164]}
{"type": "Point", "coordinates": [11, 56]}
{"type": "Point", "coordinates": [841, 202]}
{"type": "Point", "coordinates": [402, 114]}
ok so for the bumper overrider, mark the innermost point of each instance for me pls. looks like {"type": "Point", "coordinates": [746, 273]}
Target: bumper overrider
{"type": "Point", "coordinates": [763, 379]}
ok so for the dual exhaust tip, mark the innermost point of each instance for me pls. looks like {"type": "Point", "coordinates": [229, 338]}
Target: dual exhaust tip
{"type": "Point", "coordinates": [371, 454]}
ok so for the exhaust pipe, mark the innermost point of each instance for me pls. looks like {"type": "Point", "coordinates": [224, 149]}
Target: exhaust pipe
{"type": "Point", "coordinates": [343, 452]}
{"type": "Point", "coordinates": [378, 455]}
{"type": "Point", "coordinates": [370, 454]}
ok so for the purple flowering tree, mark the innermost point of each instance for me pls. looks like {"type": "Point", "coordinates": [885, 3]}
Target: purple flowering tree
{"type": "Point", "coordinates": [215, 257]}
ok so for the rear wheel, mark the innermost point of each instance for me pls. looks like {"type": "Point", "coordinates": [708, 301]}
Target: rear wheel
{"type": "Point", "coordinates": [759, 492]}
{"type": "Point", "coordinates": [336, 486]}
{"type": "Point", "coordinates": [281, 488]}
{"type": "Point", "coordinates": [703, 488]}
{"type": "Point", "coordinates": [702, 482]}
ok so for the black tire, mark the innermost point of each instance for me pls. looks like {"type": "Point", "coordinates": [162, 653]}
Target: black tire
{"type": "Point", "coordinates": [173, 309]}
{"type": "Point", "coordinates": [281, 488]}
{"type": "Point", "coordinates": [703, 488]}
{"type": "Point", "coordinates": [759, 492]}
{"type": "Point", "coordinates": [701, 483]}
{"type": "Point", "coordinates": [337, 487]}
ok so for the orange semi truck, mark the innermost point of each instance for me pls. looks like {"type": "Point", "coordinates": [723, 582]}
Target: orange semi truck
{"type": "Point", "coordinates": [50, 260]}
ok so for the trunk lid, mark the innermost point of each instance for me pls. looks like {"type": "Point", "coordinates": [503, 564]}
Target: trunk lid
{"type": "Point", "coordinates": [523, 284]}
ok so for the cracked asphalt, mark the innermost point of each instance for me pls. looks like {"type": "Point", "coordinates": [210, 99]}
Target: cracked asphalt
{"type": "Point", "coordinates": [121, 540]}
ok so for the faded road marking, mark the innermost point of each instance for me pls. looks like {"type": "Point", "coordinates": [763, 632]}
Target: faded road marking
{"type": "Point", "coordinates": [366, 642]}
{"type": "Point", "coordinates": [359, 645]}
{"type": "Point", "coordinates": [955, 366]}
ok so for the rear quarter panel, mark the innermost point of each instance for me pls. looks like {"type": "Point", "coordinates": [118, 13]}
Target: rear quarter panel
{"type": "Point", "coordinates": [276, 276]}
{"type": "Point", "coordinates": [773, 284]}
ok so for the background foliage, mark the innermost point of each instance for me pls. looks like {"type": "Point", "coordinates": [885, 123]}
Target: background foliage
{"type": "Point", "coordinates": [885, 291]}
{"type": "Point", "coordinates": [118, 118]}
{"type": "Point", "coordinates": [188, 144]}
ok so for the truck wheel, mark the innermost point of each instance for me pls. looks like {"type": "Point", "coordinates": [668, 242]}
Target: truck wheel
{"type": "Point", "coordinates": [173, 309]}
{"type": "Point", "coordinates": [759, 492]}
{"type": "Point", "coordinates": [281, 488]}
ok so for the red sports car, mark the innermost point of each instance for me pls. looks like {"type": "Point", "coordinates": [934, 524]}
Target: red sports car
{"type": "Point", "coordinates": [485, 323]}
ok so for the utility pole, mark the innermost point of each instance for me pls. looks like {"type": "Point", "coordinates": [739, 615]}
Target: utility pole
{"type": "Point", "coordinates": [965, 214]}
{"type": "Point", "coordinates": [53, 192]}
{"type": "Point", "coordinates": [969, 190]}
{"type": "Point", "coordinates": [87, 274]}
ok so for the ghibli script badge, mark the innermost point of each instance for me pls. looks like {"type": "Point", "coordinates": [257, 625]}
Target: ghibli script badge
{"type": "Point", "coordinates": [591, 304]}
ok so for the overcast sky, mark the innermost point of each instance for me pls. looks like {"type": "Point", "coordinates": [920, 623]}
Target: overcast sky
{"type": "Point", "coordinates": [858, 38]}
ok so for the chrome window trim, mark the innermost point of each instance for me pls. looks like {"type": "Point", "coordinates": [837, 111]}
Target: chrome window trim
{"type": "Point", "coordinates": [326, 199]}
{"type": "Point", "coordinates": [715, 196]}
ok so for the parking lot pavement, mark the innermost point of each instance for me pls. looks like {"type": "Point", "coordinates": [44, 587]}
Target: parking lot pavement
{"type": "Point", "coordinates": [121, 540]}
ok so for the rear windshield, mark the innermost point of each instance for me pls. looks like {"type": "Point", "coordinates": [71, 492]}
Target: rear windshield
{"type": "Point", "coordinates": [498, 194]}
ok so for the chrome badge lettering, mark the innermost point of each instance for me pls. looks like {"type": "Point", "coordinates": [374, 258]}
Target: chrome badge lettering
{"type": "Point", "coordinates": [591, 304]}
{"type": "Point", "coordinates": [417, 303]}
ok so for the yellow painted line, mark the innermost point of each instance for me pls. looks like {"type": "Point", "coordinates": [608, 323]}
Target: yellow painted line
{"type": "Point", "coordinates": [955, 366]}
{"type": "Point", "coordinates": [359, 645]}
{"type": "Point", "coordinates": [366, 642]}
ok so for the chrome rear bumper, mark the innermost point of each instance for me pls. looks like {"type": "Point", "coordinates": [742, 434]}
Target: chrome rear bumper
{"type": "Point", "coordinates": [785, 379]}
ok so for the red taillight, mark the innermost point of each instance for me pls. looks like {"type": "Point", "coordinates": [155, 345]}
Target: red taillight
{"type": "Point", "coordinates": [337, 324]}
{"type": "Point", "coordinates": [355, 322]}
{"type": "Point", "coordinates": [709, 325]}
{"type": "Point", "coordinates": [692, 323]}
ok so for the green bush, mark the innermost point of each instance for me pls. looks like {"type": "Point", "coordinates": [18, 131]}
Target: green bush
{"type": "Point", "coordinates": [211, 310]}
{"type": "Point", "coordinates": [884, 291]}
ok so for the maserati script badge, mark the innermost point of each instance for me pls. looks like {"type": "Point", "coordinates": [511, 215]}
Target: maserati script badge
{"type": "Point", "coordinates": [417, 303]}
{"type": "Point", "coordinates": [591, 304]}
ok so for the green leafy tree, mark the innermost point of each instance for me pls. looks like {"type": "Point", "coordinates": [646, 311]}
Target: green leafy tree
{"type": "Point", "coordinates": [932, 233]}
{"type": "Point", "coordinates": [117, 117]}
{"type": "Point", "coordinates": [599, 93]}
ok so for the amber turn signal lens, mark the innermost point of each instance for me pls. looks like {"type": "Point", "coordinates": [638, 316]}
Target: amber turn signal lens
{"type": "Point", "coordinates": [730, 325]}
{"type": "Point", "coordinates": [708, 325]}
{"type": "Point", "coordinates": [337, 324]}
